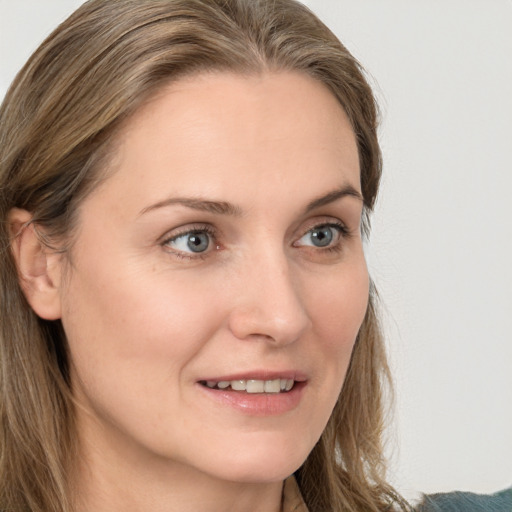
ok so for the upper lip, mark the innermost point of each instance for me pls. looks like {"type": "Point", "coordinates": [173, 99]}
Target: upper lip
{"type": "Point", "coordinates": [259, 375]}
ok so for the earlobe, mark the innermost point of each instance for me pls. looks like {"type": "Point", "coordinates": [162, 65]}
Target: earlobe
{"type": "Point", "coordinates": [39, 267]}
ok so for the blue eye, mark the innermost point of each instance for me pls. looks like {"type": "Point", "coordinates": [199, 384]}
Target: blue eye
{"type": "Point", "coordinates": [193, 241]}
{"type": "Point", "coordinates": [322, 236]}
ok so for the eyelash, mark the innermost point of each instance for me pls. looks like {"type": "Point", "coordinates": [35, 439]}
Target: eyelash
{"type": "Point", "coordinates": [343, 231]}
{"type": "Point", "coordinates": [209, 230]}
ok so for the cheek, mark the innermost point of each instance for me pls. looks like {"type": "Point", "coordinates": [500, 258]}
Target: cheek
{"type": "Point", "coordinates": [337, 310]}
{"type": "Point", "coordinates": [131, 341]}
{"type": "Point", "coordinates": [132, 323]}
{"type": "Point", "coordinates": [338, 305]}
{"type": "Point", "coordinates": [132, 326]}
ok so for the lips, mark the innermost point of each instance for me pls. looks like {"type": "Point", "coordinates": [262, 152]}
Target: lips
{"type": "Point", "coordinates": [260, 393]}
{"type": "Point", "coordinates": [275, 385]}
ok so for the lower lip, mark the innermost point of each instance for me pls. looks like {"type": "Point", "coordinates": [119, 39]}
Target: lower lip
{"type": "Point", "coordinates": [258, 404]}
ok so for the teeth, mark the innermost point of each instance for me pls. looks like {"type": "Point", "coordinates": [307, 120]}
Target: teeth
{"type": "Point", "coordinates": [238, 385]}
{"type": "Point", "coordinates": [273, 386]}
{"type": "Point", "coordinates": [253, 385]}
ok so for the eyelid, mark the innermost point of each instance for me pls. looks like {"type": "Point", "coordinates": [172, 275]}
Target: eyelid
{"type": "Point", "coordinates": [315, 223]}
{"type": "Point", "coordinates": [324, 221]}
{"type": "Point", "coordinates": [177, 233]}
{"type": "Point", "coordinates": [342, 234]}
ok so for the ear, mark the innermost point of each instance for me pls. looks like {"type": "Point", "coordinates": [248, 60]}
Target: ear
{"type": "Point", "coordinates": [39, 267]}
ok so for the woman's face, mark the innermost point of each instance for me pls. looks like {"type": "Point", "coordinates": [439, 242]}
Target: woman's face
{"type": "Point", "coordinates": [223, 251]}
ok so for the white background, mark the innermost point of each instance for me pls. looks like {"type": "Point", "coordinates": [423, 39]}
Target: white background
{"type": "Point", "coordinates": [441, 250]}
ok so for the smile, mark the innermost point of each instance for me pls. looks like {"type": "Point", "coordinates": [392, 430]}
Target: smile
{"type": "Point", "coordinates": [252, 385]}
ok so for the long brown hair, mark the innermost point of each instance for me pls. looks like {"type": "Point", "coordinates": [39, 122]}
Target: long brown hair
{"type": "Point", "coordinates": [57, 125]}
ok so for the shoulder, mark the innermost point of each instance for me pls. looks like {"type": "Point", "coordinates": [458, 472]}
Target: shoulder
{"type": "Point", "coordinates": [467, 502]}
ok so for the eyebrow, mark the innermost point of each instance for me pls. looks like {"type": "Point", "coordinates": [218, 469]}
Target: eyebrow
{"type": "Point", "coordinates": [226, 208]}
{"type": "Point", "coordinates": [344, 191]}
{"type": "Point", "coordinates": [217, 207]}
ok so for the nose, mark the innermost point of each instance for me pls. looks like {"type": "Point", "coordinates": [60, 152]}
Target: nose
{"type": "Point", "coordinates": [268, 303]}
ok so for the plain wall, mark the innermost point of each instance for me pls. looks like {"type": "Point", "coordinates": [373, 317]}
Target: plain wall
{"type": "Point", "coordinates": [441, 247]}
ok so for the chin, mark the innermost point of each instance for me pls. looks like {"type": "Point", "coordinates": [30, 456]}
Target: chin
{"type": "Point", "coordinates": [261, 461]}
{"type": "Point", "coordinates": [271, 471]}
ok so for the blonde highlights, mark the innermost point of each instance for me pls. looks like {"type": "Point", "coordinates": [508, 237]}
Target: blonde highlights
{"type": "Point", "coordinates": [58, 124]}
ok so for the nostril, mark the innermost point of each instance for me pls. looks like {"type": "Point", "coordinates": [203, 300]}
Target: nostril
{"type": "Point", "coordinates": [278, 325]}
{"type": "Point", "coordinates": [268, 306]}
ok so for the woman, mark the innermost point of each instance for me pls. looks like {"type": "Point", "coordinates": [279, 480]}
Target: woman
{"type": "Point", "coordinates": [187, 318]}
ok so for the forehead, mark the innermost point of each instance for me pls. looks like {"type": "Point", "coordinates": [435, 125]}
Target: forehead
{"type": "Point", "coordinates": [220, 132]}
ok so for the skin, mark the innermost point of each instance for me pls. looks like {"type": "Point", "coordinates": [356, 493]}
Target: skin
{"type": "Point", "coordinates": [147, 319]}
